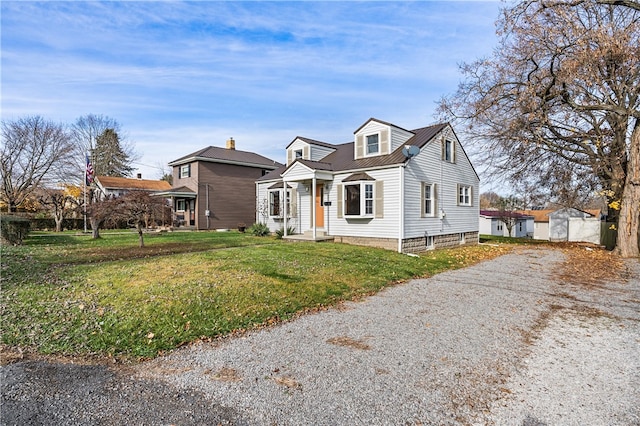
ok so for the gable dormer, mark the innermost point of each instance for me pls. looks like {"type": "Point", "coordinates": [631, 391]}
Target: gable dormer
{"type": "Point", "coordinates": [307, 149]}
{"type": "Point", "coordinates": [377, 137]}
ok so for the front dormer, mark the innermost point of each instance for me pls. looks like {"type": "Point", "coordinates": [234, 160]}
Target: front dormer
{"type": "Point", "coordinates": [307, 149]}
{"type": "Point", "coordinates": [375, 138]}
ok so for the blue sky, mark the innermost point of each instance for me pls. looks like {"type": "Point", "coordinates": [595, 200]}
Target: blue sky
{"type": "Point", "coordinates": [180, 76]}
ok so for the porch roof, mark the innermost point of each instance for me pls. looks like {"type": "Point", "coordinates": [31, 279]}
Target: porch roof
{"type": "Point", "coordinates": [182, 192]}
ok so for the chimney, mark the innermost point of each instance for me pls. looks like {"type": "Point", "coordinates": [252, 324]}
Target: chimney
{"type": "Point", "coordinates": [231, 144]}
{"type": "Point", "coordinates": [139, 176]}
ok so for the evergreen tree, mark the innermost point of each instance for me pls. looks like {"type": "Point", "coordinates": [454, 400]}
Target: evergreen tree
{"type": "Point", "coordinates": [109, 158]}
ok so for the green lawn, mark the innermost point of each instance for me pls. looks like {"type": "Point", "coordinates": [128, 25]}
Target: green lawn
{"type": "Point", "coordinates": [71, 295]}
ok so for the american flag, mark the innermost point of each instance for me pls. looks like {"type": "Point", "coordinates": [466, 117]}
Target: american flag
{"type": "Point", "coordinates": [89, 172]}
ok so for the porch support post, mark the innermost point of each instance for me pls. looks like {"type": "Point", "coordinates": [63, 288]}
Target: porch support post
{"type": "Point", "coordinates": [313, 205]}
{"type": "Point", "coordinates": [284, 208]}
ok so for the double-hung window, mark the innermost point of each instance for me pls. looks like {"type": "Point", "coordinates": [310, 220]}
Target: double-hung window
{"type": "Point", "coordinates": [373, 144]}
{"type": "Point", "coordinates": [359, 199]}
{"type": "Point", "coordinates": [465, 195]}
{"type": "Point", "coordinates": [185, 171]}
{"type": "Point", "coordinates": [428, 199]}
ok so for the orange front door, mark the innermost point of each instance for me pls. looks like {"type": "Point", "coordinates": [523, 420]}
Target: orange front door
{"type": "Point", "coordinates": [319, 205]}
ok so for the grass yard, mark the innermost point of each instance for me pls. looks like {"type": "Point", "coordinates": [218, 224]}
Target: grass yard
{"type": "Point", "coordinates": [71, 295]}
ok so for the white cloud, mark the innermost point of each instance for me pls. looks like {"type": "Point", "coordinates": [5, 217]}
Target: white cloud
{"type": "Point", "coordinates": [183, 75]}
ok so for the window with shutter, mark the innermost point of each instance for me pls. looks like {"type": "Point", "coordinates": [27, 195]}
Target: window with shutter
{"type": "Point", "coordinates": [361, 199]}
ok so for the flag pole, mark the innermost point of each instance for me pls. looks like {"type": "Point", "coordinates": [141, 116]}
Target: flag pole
{"type": "Point", "coordinates": [84, 190]}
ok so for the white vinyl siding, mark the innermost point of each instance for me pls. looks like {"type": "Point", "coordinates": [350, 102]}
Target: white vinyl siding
{"type": "Point", "coordinates": [264, 206]}
{"type": "Point", "coordinates": [429, 200]}
{"type": "Point", "coordinates": [383, 223]}
{"type": "Point", "coordinates": [428, 167]}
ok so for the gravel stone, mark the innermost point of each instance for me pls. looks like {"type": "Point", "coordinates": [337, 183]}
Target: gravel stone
{"type": "Point", "coordinates": [500, 342]}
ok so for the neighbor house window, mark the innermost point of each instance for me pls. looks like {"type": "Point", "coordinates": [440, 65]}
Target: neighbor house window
{"type": "Point", "coordinates": [359, 199]}
{"type": "Point", "coordinates": [428, 199]}
{"type": "Point", "coordinates": [464, 195]}
{"type": "Point", "coordinates": [373, 146]}
{"type": "Point", "coordinates": [185, 171]}
{"type": "Point", "coordinates": [180, 205]}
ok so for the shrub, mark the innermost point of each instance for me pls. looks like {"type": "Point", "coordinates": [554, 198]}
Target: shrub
{"type": "Point", "coordinates": [259, 229]}
{"type": "Point", "coordinates": [280, 232]}
{"type": "Point", "coordinates": [14, 229]}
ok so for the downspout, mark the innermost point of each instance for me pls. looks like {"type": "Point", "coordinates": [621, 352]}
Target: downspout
{"type": "Point", "coordinates": [401, 221]}
{"type": "Point", "coordinates": [208, 208]}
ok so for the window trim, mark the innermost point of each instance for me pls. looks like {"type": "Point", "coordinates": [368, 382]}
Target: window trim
{"type": "Point", "coordinates": [449, 156]}
{"type": "Point", "coordinates": [465, 195]}
{"type": "Point", "coordinates": [366, 144]}
{"type": "Point", "coordinates": [362, 202]}
{"type": "Point", "coordinates": [280, 194]}
{"type": "Point", "coordinates": [429, 242]}
{"type": "Point", "coordinates": [185, 171]}
{"type": "Point", "coordinates": [433, 200]}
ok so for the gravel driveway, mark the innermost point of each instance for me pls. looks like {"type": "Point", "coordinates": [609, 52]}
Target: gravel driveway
{"type": "Point", "coordinates": [501, 342]}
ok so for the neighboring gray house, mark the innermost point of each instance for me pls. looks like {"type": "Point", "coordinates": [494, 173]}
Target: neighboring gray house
{"type": "Point", "coordinates": [492, 223]}
{"type": "Point", "coordinates": [404, 190]}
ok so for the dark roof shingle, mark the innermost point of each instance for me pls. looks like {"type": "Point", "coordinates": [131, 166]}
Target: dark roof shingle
{"type": "Point", "coordinates": [214, 153]}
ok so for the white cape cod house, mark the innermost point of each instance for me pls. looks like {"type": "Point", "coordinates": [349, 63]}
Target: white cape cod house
{"type": "Point", "coordinates": [404, 190]}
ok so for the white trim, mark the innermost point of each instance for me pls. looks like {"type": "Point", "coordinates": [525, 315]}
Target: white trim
{"type": "Point", "coordinates": [366, 144]}
{"type": "Point", "coordinates": [401, 207]}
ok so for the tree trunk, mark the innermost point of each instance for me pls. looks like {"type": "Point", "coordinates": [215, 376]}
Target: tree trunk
{"type": "Point", "coordinates": [629, 219]}
{"type": "Point", "coordinates": [58, 221]}
{"type": "Point", "coordinates": [95, 228]}
{"type": "Point", "coordinates": [140, 236]}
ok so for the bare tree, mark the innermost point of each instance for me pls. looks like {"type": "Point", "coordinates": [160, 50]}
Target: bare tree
{"type": "Point", "coordinates": [34, 152]}
{"type": "Point", "coordinates": [140, 209]}
{"type": "Point", "coordinates": [59, 203]}
{"type": "Point", "coordinates": [85, 132]}
{"type": "Point", "coordinates": [562, 93]}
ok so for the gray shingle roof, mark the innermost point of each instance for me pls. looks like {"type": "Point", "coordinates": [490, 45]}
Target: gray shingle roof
{"type": "Point", "coordinates": [342, 158]}
{"type": "Point", "coordinates": [217, 154]}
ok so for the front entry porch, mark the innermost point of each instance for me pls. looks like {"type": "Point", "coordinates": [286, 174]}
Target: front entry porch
{"type": "Point", "coordinates": [308, 236]}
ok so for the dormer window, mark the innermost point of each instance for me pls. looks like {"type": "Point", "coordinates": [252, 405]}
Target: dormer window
{"type": "Point", "coordinates": [373, 144]}
{"type": "Point", "coordinates": [298, 154]}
